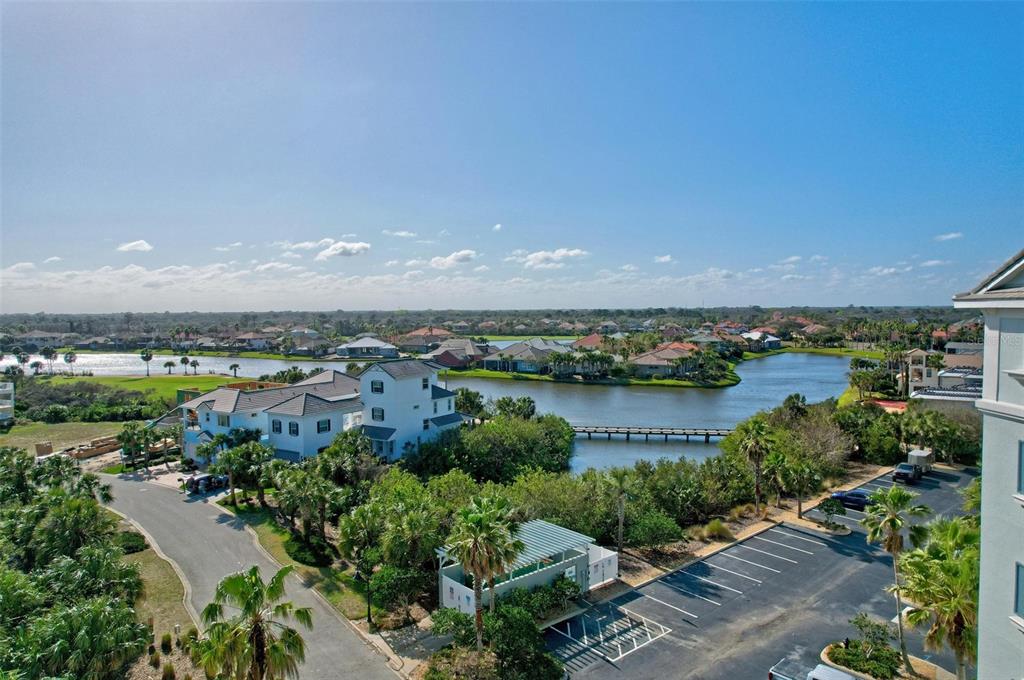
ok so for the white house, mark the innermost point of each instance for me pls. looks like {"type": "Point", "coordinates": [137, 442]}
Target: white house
{"type": "Point", "coordinates": [403, 406]}
{"type": "Point", "coordinates": [1000, 297]}
{"type": "Point", "coordinates": [6, 402]}
{"type": "Point", "coordinates": [256, 341]}
{"type": "Point", "coordinates": [762, 341]}
{"type": "Point", "coordinates": [367, 347]}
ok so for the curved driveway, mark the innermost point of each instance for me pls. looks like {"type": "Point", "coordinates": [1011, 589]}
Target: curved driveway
{"type": "Point", "coordinates": [208, 544]}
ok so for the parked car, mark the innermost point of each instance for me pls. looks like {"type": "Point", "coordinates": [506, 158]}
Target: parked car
{"type": "Point", "coordinates": [793, 670]}
{"type": "Point", "coordinates": [200, 484]}
{"type": "Point", "coordinates": [857, 499]}
{"type": "Point", "coordinates": [907, 473]}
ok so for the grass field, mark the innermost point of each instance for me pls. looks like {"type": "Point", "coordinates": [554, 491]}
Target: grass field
{"type": "Point", "coordinates": [831, 351]}
{"type": "Point", "coordinates": [201, 353]}
{"type": "Point", "coordinates": [162, 594]}
{"type": "Point", "coordinates": [728, 381]}
{"type": "Point", "coordinates": [61, 435]}
{"type": "Point", "coordinates": [339, 586]}
{"type": "Point", "coordinates": [163, 386]}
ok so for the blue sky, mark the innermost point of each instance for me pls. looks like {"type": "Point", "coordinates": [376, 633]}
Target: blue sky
{"type": "Point", "coordinates": [226, 156]}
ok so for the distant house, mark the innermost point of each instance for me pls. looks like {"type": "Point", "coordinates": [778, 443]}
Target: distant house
{"type": "Point", "coordinates": [459, 327]}
{"type": "Point", "coordinates": [761, 342]}
{"type": "Point", "coordinates": [964, 354]}
{"type": "Point", "coordinates": [771, 330]}
{"type": "Point", "coordinates": [663, 363]}
{"type": "Point", "coordinates": [813, 329]}
{"type": "Point", "coordinates": [255, 341]}
{"type": "Point", "coordinates": [458, 353]}
{"type": "Point", "coordinates": [488, 326]}
{"type": "Point", "coordinates": [423, 339]}
{"type": "Point", "coordinates": [309, 344]}
{"type": "Point", "coordinates": [672, 331]}
{"type": "Point", "coordinates": [592, 341]}
{"type": "Point", "coordinates": [607, 327]}
{"type": "Point", "coordinates": [6, 402]}
{"type": "Point", "coordinates": [549, 552]}
{"type": "Point", "coordinates": [94, 343]}
{"type": "Point", "coordinates": [529, 356]}
{"type": "Point", "coordinates": [920, 373]}
{"type": "Point", "coordinates": [367, 348]}
{"type": "Point", "coordinates": [731, 327]}
{"type": "Point", "coordinates": [40, 339]}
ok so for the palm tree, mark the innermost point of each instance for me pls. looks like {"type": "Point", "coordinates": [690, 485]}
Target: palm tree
{"type": "Point", "coordinates": [232, 463]}
{"type": "Point", "coordinates": [169, 365]}
{"type": "Point", "coordinates": [195, 366]}
{"type": "Point", "coordinates": [70, 358]}
{"type": "Point", "coordinates": [36, 367]}
{"type": "Point", "coordinates": [358, 535]}
{"type": "Point", "coordinates": [776, 468]}
{"type": "Point", "coordinates": [620, 485]}
{"type": "Point", "coordinates": [256, 643]}
{"type": "Point", "coordinates": [474, 539]}
{"type": "Point", "coordinates": [755, 445]}
{"type": "Point", "coordinates": [412, 534]}
{"type": "Point", "coordinates": [234, 369]}
{"type": "Point", "coordinates": [803, 479]}
{"type": "Point", "coordinates": [257, 457]}
{"type": "Point", "coordinates": [146, 356]}
{"type": "Point", "coordinates": [50, 354]}
{"type": "Point", "coordinates": [184, 362]}
{"type": "Point", "coordinates": [886, 517]}
{"type": "Point", "coordinates": [506, 551]}
{"type": "Point", "coordinates": [129, 438]}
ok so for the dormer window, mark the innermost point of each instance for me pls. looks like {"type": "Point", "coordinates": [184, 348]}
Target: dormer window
{"type": "Point", "coordinates": [426, 383]}
{"type": "Point", "coordinates": [377, 386]}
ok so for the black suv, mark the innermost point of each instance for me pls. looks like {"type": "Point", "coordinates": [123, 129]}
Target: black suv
{"type": "Point", "coordinates": [907, 472]}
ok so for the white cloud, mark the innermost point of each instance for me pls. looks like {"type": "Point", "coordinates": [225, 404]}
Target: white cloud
{"type": "Point", "coordinates": [343, 249]}
{"type": "Point", "coordinates": [399, 234]}
{"type": "Point", "coordinates": [391, 263]}
{"type": "Point", "coordinates": [664, 259]}
{"type": "Point", "coordinates": [20, 267]}
{"type": "Point", "coordinates": [496, 227]}
{"type": "Point", "coordinates": [950, 236]}
{"type": "Point", "coordinates": [629, 267]}
{"type": "Point", "coordinates": [53, 258]}
{"type": "Point", "coordinates": [545, 259]}
{"type": "Point", "coordinates": [426, 241]}
{"type": "Point", "coordinates": [482, 268]}
{"type": "Point", "coordinates": [934, 263]}
{"type": "Point", "coordinates": [415, 262]}
{"type": "Point", "coordinates": [303, 245]}
{"type": "Point", "coordinates": [795, 277]}
{"type": "Point", "coordinates": [230, 246]}
{"type": "Point", "coordinates": [453, 260]}
{"type": "Point", "coordinates": [278, 267]}
{"type": "Point", "coordinates": [792, 259]}
{"type": "Point", "coordinates": [443, 233]}
{"type": "Point", "coordinates": [883, 271]}
{"type": "Point", "coordinates": [139, 246]}
{"type": "Point", "coordinates": [819, 258]}
{"type": "Point", "coordinates": [292, 255]}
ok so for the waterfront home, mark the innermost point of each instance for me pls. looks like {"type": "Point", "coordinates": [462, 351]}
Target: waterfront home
{"type": "Point", "coordinates": [1001, 594]}
{"type": "Point", "coordinates": [528, 356]}
{"type": "Point", "coordinates": [550, 551]}
{"type": "Point", "coordinates": [403, 406]}
{"type": "Point", "coordinates": [667, 362]}
{"type": "Point", "coordinates": [759, 341]}
{"type": "Point", "coordinates": [6, 403]}
{"type": "Point", "coordinates": [367, 348]}
{"type": "Point", "coordinates": [458, 353]}
{"type": "Point", "coordinates": [423, 339]}
{"type": "Point", "coordinates": [94, 343]}
{"type": "Point", "coordinates": [39, 339]}
{"type": "Point", "coordinates": [589, 342]}
{"type": "Point", "coordinates": [255, 341]}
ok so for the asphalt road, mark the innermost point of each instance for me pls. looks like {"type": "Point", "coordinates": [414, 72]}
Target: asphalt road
{"type": "Point", "coordinates": [786, 592]}
{"type": "Point", "coordinates": [208, 544]}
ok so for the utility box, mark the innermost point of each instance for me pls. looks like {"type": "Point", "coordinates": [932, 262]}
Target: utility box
{"type": "Point", "coordinates": [925, 459]}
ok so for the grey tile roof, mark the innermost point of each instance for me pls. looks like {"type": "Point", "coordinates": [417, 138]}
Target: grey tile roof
{"type": "Point", "coordinates": [368, 342]}
{"type": "Point", "coordinates": [304, 405]}
{"type": "Point", "coordinates": [440, 392]}
{"type": "Point", "coordinates": [447, 419]}
{"type": "Point", "coordinates": [407, 368]}
{"type": "Point", "coordinates": [379, 433]}
{"type": "Point", "coordinates": [327, 385]}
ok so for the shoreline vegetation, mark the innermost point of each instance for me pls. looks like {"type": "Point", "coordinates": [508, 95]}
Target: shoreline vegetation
{"type": "Point", "coordinates": [729, 380]}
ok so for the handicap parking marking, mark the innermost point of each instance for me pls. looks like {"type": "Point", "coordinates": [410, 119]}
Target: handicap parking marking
{"type": "Point", "coordinates": [791, 535]}
{"type": "Point", "coordinates": [730, 571]}
{"type": "Point", "coordinates": [768, 540]}
{"type": "Point", "coordinates": [714, 583]}
{"type": "Point", "coordinates": [765, 552]}
{"type": "Point", "coordinates": [725, 554]}
{"type": "Point", "coordinates": [627, 632]}
{"type": "Point", "coordinates": [687, 592]}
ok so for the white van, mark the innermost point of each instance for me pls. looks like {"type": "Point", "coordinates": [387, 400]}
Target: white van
{"type": "Point", "coordinates": [787, 669]}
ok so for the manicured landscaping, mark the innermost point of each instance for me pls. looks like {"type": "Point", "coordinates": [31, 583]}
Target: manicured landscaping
{"type": "Point", "coordinates": [338, 586]}
{"type": "Point", "coordinates": [831, 351]}
{"type": "Point", "coordinates": [728, 381]}
{"type": "Point", "coordinates": [162, 594]}
{"type": "Point", "coordinates": [61, 435]}
{"type": "Point", "coordinates": [163, 386]}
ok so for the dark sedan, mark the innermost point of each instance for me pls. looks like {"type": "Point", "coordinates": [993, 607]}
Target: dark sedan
{"type": "Point", "coordinates": [857, 499]}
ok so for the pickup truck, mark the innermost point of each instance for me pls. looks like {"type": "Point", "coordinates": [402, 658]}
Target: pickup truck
{"type": "Point", "coordinates": [788, 669]}
{"type": "Point", "coordinates": [907, 473]}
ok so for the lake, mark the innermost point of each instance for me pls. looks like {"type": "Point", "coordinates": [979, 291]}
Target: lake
{"type": "Point", "coordinates": [765, 383]}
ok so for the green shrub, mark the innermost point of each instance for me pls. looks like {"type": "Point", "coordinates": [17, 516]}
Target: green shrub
{"type": "Point", "coordinates": [130, 542]}
{"type": "Point", "coordinates": [316, 552]}
{"type": "Point", "coordinates": [717, 529]}
{"type": "Point", "coordinates": [154, 659]}
{"type": "Point", "coordinates": [168, 672]}
{"type": "Point", "coordinates": [165, 643]}
{"type": "Point", "coordinates": [884, 662]}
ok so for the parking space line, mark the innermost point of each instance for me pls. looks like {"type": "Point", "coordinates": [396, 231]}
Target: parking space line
{"type": "Point", "coordinates": [725, 554]}
{"type": "Point", "coordinates": [786, 533]}
{"type": "Point", "coordinates": [670, 606]}
{"type": "Point", "coordinates": [687, 592]}
{"type": "Point", "coordinates": [735, 573]}
{"type": "Point", "coordinates": [590, 647]}
{"type": "Point", "coordinates": [765, 552]}
{"type": "Point", "coordinates": [768, 540]}
{"type": "Point", "coordinates": [714, 583]}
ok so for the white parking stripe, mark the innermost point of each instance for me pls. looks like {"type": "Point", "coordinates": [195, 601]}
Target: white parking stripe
{"type": "Point", "coordinates": [765, 552]}
{"type": "Point", "coordinates": [687, 592]}
{"type": "Point", "coordinates": [715, 583]}
{"type": "Point", "coordinates": [725, 554]}
{"type": "Point", "coordinates": [735, 573]}
{"type": "Point", "coordinates": [670, 606]}
{"type": "Point", "coordinates": [786, 533]}
{"type": "Point", "coordinates": [768, 540]}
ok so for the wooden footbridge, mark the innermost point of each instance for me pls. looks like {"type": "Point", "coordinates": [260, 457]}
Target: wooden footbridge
{"type": "Point", "coordinates": [647, 432]}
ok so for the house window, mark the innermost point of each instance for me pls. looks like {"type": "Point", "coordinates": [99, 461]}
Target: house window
{"type": "Point", "coordinates": [391, 448]}
{"type": "Point", "coordinates": [207, 416]}
{"type": "Point", "coordinates": [426, 423]}
{"type": "Point", "coordinates": [293, 429]}
{"type": "Point", "coordinates": [275, 426]}
{"type": "Point", "coordinates": [449, 404]}
{"type": "Point", "coordinates": [435, 407]}
{"type": "Point", "coordinates": [1018, 604]}
{"type": "Point", "coordinates": [223, 421]}
{"type": "Point", "coordinates": [426, 383]}
{"type": "Point", "coordinates": [377, 413]}
{"type": "Point", "coordinates": [323, 425]}
{"type": "Point", "coordinates": [377, 386]}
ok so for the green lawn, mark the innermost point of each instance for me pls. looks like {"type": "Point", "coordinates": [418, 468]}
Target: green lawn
{"type": "Point", "coordinates": [163, 386]}
{"type": "Point", "coordinates": [61, 435]}
{"type": "Point", "coordinates": [162, 594]}
{"type": "Point", "coordinates": [338, 586]}
{"type": "Point", "coordinates": [838, 352]}
{"type": "Point", "coordinates": [728, 381]}
{"type": "Point", "coordinates": [199, 353]}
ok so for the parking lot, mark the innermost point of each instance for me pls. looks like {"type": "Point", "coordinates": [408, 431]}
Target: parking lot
{"type": "Point", "coordinates": [786, 591]}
